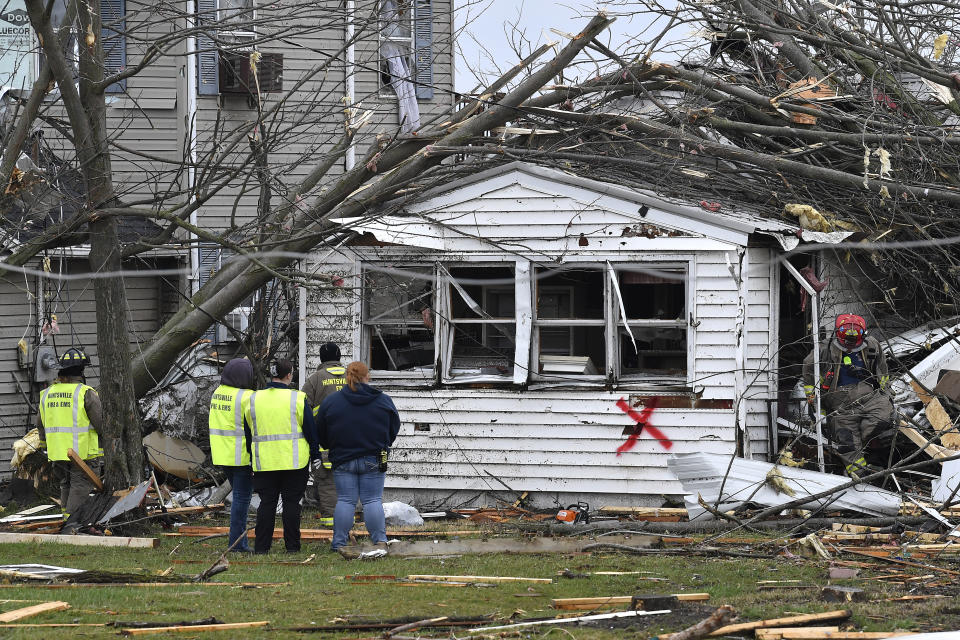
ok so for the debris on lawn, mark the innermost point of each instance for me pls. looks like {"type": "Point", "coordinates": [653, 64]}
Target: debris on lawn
{"type": "Point", "coordinates": [226, 626]}
{"type": "Point", "coordinates": [29, 612]}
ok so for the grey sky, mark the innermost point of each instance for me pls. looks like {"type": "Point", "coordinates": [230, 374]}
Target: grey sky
{"type": "Point", "coordinates": [487, 38]}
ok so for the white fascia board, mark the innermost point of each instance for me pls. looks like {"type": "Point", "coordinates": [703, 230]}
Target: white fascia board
{"type": "Point", "coordinates": [412, 232]}
{"type": "Point", "coordinates": [595, 195]}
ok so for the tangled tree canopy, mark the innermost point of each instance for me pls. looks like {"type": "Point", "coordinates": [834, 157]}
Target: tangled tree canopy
{"type": "Point", "coordinates": [840, 116]}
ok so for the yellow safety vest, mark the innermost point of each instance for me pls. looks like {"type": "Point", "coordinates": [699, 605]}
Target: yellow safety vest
{"type": "Point", "coordinates": [66, 423]}
{"type": "Point", "coordinates": [275, 418]}
{"type": "Point", "coordinates": [228, 445]}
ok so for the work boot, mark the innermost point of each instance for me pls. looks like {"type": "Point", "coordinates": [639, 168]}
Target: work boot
{"type": "Point", "coordinates": [349, 552]}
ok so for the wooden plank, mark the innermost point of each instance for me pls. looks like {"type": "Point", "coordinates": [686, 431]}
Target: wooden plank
{"type": "Point", "coordinates": [935, 451]}
{"type": "Point", "coordinates": [86, 585]}
{"type": "Point", "coordinates": [28, 612]}
{"type": "Point", "coordinates": [923, 395]}
{"type": "Point", "coordinates": [84, 541]}
{"type": "Point", "coordinates": [479, 579]}
{"type": "Point", "coordinates": [195, 627]}
{"type": "Point", "coordinates": [841, 614]}
{"type": "Point", "coordinates": [592, 603]}
{"type": "Point", "coordinates": [937, 415]}
{"type": "Point", "coordinates": [318, 534]}
{"type": "Point", "coordinates": [77, 460]}
{"type": "Point", "coordinates": [775, 634]}
{"type": "Point", "coordinates": [643, 511]}
{"type": "Point", "coordinates": [27, 512]}
{"type": "Point", "coordinates": [815, 634]}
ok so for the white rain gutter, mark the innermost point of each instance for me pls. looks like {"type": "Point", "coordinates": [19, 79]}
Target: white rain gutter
{"type": "Point", "coordinates": [191, 124]}
{"type": "Point", "coordinates": [815, 329]}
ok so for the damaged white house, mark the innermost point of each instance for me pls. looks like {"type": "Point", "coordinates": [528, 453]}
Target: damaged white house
{"type": "Point", "coordinates": [508, 315]}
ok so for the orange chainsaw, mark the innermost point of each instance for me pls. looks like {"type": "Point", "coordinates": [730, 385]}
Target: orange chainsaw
{"type": "Point", "coordinates": [575, 513]}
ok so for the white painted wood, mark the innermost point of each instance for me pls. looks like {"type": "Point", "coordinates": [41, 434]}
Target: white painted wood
{"type": "Point", "coordinates": [523, 294]}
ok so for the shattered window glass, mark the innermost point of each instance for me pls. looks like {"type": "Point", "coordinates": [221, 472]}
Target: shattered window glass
{"type": "Point", "coordinates": [570, 325]}
{"type": "Point", "coordinates": [652, 338]}
{"type": "Point", "coordinates": [482, 321]}
{"type": "Point", "coordinates": [399, 317]}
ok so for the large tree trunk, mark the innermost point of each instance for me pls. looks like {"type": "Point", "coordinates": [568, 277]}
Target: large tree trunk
{"type": "Point", "coordinates": [86, 110]}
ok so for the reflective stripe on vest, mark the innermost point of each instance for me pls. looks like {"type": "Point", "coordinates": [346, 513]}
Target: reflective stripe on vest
{"type": "Point", "coordinates": [63, 432]}
{"type": "Point", "coordinates": [228, 445]}
{"type": "Point", "coordinates": [276, 433]}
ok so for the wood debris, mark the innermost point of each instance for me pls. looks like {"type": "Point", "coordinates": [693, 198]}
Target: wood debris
{"type": "Point", "coordinates": [29, 612]}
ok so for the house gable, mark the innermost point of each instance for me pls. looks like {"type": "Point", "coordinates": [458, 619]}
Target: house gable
{"type": "Point", "coordinates": [524, 207]}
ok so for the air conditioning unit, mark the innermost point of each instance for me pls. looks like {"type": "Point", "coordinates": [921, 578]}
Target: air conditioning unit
{"type": "Point", "coordinates": [236, 76]}
{"type": "Point", "coordinates": [238, 320]}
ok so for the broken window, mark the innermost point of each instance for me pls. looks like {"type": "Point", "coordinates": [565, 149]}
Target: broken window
{"type": "Point", "coordinates": [396, 31]}
{"type": "Point", "coordinates": [398, 318]}
{"type": "Point", "coordinates": [570, 322]}
{"type": "Point", "coordinates": [653, 333]}
{"type": "Point", "coordinates": [481, 334]}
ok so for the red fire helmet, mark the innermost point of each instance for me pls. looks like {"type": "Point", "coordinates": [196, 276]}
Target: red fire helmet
{"type": "Point", "coordinates": [850, 330]}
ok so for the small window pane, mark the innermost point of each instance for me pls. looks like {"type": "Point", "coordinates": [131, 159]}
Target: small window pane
{"type": "Point", "coordinates": [496, 299]}
{"type": "Point", "coordinates": [660, 351]}
{"type": "Point", "coordinates": [483, 349]}
{"type": "Point", "coordinates": [654, 293]}
{"type": "Point", "coordinates": [398, 297]}
{"type": "Point", "coordinates": [573, 293]}
{"type": "Point", "coordinates": [399, 318]}
{"type": "Point", "coordinates": [572, 351]}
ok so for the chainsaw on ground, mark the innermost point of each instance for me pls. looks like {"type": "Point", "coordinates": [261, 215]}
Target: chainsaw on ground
{"type": "Point", "coordinates": [574, 513]}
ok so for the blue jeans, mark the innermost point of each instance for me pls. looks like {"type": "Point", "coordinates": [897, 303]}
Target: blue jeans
{"type": "Point", "coordinates": [358, 479]}
{"type": "Point", "coordinates": [241, 479]}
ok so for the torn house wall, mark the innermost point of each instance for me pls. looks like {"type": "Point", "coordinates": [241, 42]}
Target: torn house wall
{"type": "Point", "coordinates": [555, 441]}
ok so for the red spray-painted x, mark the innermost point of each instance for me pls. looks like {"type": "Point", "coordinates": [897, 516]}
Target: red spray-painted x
{"type": "Point", "coordinates": [642, 418]}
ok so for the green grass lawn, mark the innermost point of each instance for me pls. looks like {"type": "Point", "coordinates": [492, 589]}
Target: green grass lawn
{"type": "Point", "coordinates": [316, 594]}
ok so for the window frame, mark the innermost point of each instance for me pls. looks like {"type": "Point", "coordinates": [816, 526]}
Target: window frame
{"type": "Point", "coordinates": [684, 323]}
{"type": "Point", "coordinates": [385, 90]}
{"type": "Point", "coordinates": [526, 367]}
{"type": "Point", "coordinates": [366, 338]}
{"type": "Point", "coordinates": [447, 322]}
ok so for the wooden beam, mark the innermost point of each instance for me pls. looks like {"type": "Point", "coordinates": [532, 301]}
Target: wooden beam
{"type": "Point", "coordinates": [53, 624]}
{"type": "Point", "coordinates": [814, 633]}
{"type": "Point", "coordinates": [86, 585]}
{"type": "Point", "coordinates": [478, 579]}
{"type": "Point", "coordinates": [643, 511]}
{"type": "Point", "coordinates": [935, 451]}
{"type": "Point", "coordinates": [195, 627]}
{"type": "Point", "coordinates": [27, 612]}
{"type": "Point", "coordinates": [593, 603]}
{"type": "Point", "coordinates": [77, 460]}
{"type": "Point", "coordinates": [841, 614]}
{"type": "Point", "coordinates": [776, 634]}
{"type": "Point", "coordinates": [84, 541]}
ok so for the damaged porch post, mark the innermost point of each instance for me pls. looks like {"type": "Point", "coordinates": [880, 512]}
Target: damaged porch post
{"type": "Point", "coordinates": [815, 330]}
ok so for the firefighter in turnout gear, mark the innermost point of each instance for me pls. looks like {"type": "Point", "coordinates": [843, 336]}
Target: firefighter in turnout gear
{"type": "Point", "coordinates": [70, 418]}
{"type": "Point", "coordinates": [283, 441]}
{"type": "Point", "coordinates": [328, 378]}
{"type": "Point", "coordinates": [854, 391]}
{"type": "Point", "coordinates": [228, 443]}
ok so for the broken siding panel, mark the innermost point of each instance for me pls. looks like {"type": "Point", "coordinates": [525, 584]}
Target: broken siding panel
{"type": "Point", "coordinates": [847, 292]}
{"type": "Point", "coordinates": [540, 441]}
{"type": "Point", "coordinates": [716, 311]}
{"type": "Point", "coordinates": [331, 309]}
{"type": "Point", "coordinates": [18, 321]}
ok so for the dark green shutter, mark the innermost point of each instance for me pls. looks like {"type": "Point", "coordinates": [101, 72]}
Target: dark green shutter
{"type": "Point", "coordinates": [114, 39]}
{"type": "Point", "coordinates": [208, 58]}
{"type": "Point", "coordinates": [423, 48]}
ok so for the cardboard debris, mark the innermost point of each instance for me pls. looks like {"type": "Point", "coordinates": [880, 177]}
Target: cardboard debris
{"type": "Point", "coordinates": [704, 473]}
{"type": "Point", "coordinates": [177, 457]}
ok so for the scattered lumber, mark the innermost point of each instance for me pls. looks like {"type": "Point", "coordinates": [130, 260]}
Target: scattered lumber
{"type": "Point", "coordinates": [53, 624]}
{"type": "Point", "coordinates": [593, 603]}
{"type": "Point", "coordinates": [882, 555]}
{"type": "Point", "coordinates": [413, 548]}
{"type": "Point", "coordinates": [814, 633]}
{"type": "Point", "coordinates": [717, 619]}
{"type": "Point", "coordinates": [28, 612]}
{"type": "Point", "coordinates": [226, 626]}
{"type": "Point", "coordinates": [433, 578]}
{"type": "Point", "coordinates": [84, 585]}
{"type": "Point", "coordinates": [789, 621]}
{"type": "Point", "coordinates": [85, 541]}
{"type": "Point", "coordinates": [21, 515]}
{"type": "Point", "coordinates": [87, 471]}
